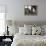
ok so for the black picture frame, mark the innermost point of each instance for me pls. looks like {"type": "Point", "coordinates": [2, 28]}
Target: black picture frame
{"type": "Point", "coordinates": [30, 9]}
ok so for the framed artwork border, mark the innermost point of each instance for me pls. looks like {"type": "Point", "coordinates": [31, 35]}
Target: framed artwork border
{"type": "Point", "coordinates": [30, 10]}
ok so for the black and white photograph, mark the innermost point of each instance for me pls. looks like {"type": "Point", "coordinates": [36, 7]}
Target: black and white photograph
{"type": "Point", "coordinates": [30, 10]}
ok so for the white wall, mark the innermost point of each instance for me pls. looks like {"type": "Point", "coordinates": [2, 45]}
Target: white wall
{"type": "Point", "coordinates": [15, 10]}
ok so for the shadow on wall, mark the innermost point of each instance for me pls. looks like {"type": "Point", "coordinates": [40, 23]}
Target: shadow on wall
{"type": "Point", "coordinates": [21, 23]}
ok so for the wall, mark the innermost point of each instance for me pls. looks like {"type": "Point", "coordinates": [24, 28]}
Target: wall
{"type": "Point", "coordinates": [19, 13]}
{"type": "Point", "coordinates": [15, 9]}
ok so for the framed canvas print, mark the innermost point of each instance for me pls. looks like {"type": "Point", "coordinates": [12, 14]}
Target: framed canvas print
{"type": "Point", "coordinates": [30, 10]}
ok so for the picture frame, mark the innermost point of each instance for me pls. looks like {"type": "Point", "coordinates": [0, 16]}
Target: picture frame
{"type": "Point", "coordinates": [30, 9]}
